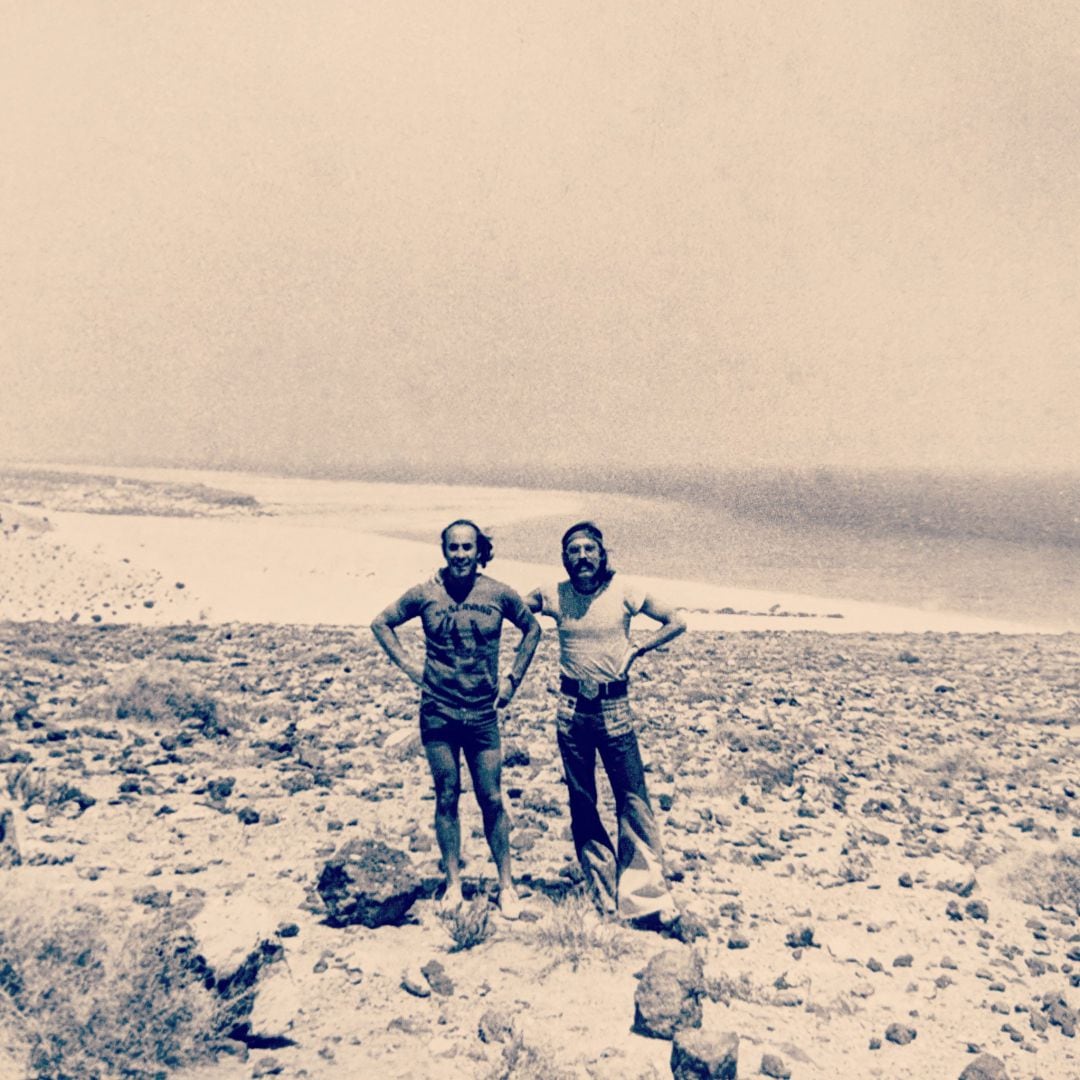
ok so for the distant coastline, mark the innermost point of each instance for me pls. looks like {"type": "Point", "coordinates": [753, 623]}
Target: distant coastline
{"type": "Point", "coordinates": [799, 565]}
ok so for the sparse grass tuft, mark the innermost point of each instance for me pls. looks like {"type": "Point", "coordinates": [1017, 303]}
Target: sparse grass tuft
{"type": "Point", "coordinates": [468, 924]}
{"type": "Point", "coordinates": [92, 998]}
{"type": "Point", "coordinates": [573, 933]}
{"type": "Point", "coordinates": [521, 1061]}
{"type": "Point", "coordinates": [32, 785]}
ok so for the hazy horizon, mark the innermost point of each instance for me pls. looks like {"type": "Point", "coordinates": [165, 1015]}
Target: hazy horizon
{"type": "Point", "coordinates": [337, 236]}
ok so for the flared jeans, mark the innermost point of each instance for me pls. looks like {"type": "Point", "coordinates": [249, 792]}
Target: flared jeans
{"type": "Point", "coordinates": [625, 878]}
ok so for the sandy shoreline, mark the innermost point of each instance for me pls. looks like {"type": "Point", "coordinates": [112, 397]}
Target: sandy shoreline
{"type": "Point", "coordinates": [316, 553]}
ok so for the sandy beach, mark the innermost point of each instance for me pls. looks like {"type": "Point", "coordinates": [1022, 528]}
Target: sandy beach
{"type": "Point", "coordinates": [869, 812]}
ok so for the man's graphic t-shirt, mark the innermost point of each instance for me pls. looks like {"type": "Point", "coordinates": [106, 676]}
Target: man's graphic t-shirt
{"type": "Point", "coordinates": [461, 669]}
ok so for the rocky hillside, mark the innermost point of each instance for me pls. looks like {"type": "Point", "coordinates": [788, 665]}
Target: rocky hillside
{"type": "Point", "coordinates": [875, 841]}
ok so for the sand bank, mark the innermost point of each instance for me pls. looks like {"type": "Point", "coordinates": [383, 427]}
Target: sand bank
{"type": "Point", "coordinates": [316, 552]}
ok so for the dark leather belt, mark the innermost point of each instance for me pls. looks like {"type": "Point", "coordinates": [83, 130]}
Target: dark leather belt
{"type": "Point", "coordinates": [585, 690]}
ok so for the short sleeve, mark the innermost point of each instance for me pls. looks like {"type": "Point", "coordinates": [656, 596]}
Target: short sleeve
{"type": "Point", "coordinates": [514, 609]}
{"type": "Point", "coordinates": [633, 598]}
{"type": "Point", "coordinates": [549, 604]}
{"type": "Point", "coordinates": [406, 607]}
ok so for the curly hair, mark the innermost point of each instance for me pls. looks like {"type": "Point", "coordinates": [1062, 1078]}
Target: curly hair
{"type": "Point", "coordinates": [485, 551]}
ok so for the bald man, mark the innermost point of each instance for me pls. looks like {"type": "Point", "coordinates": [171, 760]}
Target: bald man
{"type": "Point", "coordinates": [462, 611]}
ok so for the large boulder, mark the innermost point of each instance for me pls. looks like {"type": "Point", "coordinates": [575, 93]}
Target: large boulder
{"type": "Point", "coordinates": [668, 997]}
{"type": "Point", "coordinates": [985, 1067]}
{"type": "Point", "coordinates": [703, 1055]}
{"type": "Point", "coordinates": [369, 883]}
{"type": "Point", "coordinates": [233, 940]}
{"type": "Point", "coordinates": [233, 934]}
{"type": "Point", "coordinates": [277, 1012]}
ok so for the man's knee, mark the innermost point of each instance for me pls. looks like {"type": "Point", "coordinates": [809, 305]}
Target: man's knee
{"type": "Point", "coordinates": [491, 803]}
{"type": "Point", "coordinates": [446, 799]}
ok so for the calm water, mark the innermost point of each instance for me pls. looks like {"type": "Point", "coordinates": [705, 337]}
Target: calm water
{"type": "Point", "coordinates": [1006, 547]}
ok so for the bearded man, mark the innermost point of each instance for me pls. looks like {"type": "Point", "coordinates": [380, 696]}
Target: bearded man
{"type": "Point", "coordinates": [593, 610]}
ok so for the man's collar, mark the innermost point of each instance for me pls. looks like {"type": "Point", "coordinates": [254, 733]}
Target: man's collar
{"type": "Point", "coordinates": [457, 588]}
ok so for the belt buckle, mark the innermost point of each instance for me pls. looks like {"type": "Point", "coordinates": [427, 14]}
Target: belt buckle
{"type": "Point", "coordinates": [588, 689]}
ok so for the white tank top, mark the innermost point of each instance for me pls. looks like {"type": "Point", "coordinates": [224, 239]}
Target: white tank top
{"type": "Point", "coordinates": [594, 628]}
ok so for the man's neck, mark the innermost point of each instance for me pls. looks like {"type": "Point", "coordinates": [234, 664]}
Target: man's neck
{"type": "Point", "coordinates": [457, 587]}
{"type": "Point", "coordinates": [590, 588]}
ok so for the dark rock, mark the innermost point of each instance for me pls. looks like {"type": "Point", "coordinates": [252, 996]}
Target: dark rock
{"type": "Point", "coordinates": [220, 789]}
{"type": "Point", "coordinates": [961, 888]}
{"type": "Point", "coordinates": [985, 1067]}
{"type": "Point", "coordinates": [1059, 1014]}
{"type": "Point", "coordinates": [801, 937]}
{"type": "Point", "coordinates": [495, 1027]}
{"type": "Point", "coordinates": [437, 979]}
{"type": "Point", "coordinates": [905, 881]}
{"type": "Point", "coordinates": [703, 1055]}
{"type": "Point", "coordinates": [267, 1066]}
{"type": "Point", "coordinates": [977, 909]}
{"type": "Point", "coordinates": [248, 816]}
{"type": "Point", "coordinates": [688, 927]}
{"type": "Point", "coordinates": [152, 898]}
{"type": "Point", "coordinates": [904, 961]}
{"type": "Point", "coordinates": [369, 883]}
{"type": "Point", "coordinates": [773, 1065]}
{"type": "Point", "coordinates": [516, 756]}
{"type": "Point", "coordinates": [738, 941]}
{"type": "Point", "coordinates": [668, 997]}
{"type": "Point", "coordinates": [900, 1034]}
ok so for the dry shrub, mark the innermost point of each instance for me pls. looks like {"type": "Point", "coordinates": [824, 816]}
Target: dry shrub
{"type": "Point", "coordinates": [468, 924]}
{"type": "Point", "coordinates": [97, 996]}
{"type": "Point", "coordinates": [573, 933]}
{"type": "Point", "coordinates": [157, 694]}
{"type": "Point", "coordinates": [1051, 880]}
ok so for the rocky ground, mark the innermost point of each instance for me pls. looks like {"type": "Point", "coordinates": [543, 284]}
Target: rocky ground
{"type": "Point", "coordinates": [875, 839]}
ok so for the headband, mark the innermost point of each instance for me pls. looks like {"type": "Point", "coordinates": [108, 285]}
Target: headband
{"type": "Point", "coordinates": [586, 527]}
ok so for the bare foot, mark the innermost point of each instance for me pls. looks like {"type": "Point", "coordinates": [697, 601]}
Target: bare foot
{"type": "Point", "coordinates": [509, 904]}
{"type": "Point", "coordinates": [668, 917]}
{"type": "Point", "coordinates": [452, 898]}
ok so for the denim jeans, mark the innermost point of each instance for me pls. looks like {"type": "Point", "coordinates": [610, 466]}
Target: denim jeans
{"type": "Point", "coordinates": [627, 879]}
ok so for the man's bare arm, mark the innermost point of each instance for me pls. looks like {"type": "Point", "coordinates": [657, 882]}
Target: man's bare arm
{"type": "Point", "coordinates": [534, 602]}
{"type": "Point", "coordinates": [386, 636]}
{"type": "Point", "coordinates": [672, 624]}
{"type": "Point", "coordinates": [530, 638]}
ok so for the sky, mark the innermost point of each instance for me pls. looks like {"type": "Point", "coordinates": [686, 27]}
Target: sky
{"type": "Point", "coordinates": [331, 234]}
